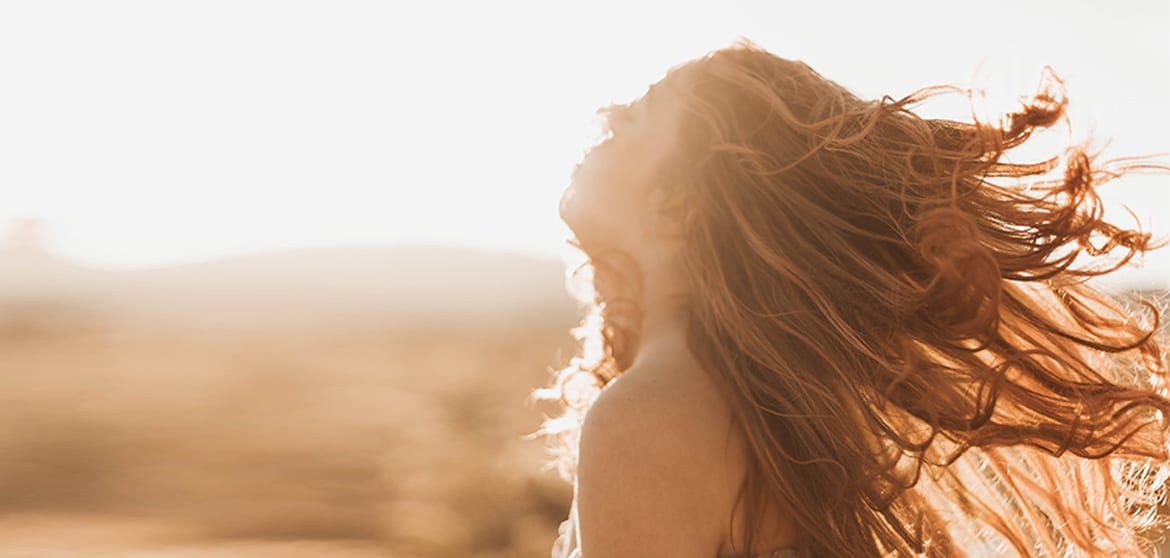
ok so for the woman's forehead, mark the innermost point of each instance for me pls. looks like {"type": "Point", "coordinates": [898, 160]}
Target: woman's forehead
{"type": "Point", "coordinates": [655, 109]}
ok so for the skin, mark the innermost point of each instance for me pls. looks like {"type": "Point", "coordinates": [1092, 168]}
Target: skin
{"type": "Point", "coordinates": [660, 461]}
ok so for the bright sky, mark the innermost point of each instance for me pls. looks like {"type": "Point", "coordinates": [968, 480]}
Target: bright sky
{"type": "Point", "coordinates": [149, 133]}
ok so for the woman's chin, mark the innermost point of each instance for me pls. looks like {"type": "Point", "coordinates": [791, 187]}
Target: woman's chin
{"type": "Point", "coordinates": [596, 231]}
{"type": "Point", "coordinates": [590, 239]}
{"type": "Point", "coordinates": [573, 214]}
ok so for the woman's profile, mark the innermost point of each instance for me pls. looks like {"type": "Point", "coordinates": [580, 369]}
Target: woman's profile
{"type": "Point", "coordinates": [827, 326]}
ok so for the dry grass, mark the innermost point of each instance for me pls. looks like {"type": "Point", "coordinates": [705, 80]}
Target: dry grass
{"type": "Point", "coordinates": [122, 440]}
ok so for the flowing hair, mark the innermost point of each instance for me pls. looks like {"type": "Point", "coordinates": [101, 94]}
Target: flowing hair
{"type": "Point", "coordinates": [901, 320]}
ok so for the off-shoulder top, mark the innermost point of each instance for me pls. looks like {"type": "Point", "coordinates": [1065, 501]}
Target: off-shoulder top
{"type": "Point", "coordinates": [568, 541]}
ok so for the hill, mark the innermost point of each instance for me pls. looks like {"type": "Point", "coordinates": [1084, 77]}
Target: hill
{"type": "Point", "coordinates": [395, 284]}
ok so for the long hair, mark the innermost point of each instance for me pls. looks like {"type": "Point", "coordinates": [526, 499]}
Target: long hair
{"type": "Point", "coordinates": [901, 320]}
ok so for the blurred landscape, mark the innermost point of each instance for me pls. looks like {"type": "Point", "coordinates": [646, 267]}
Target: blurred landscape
{"type": "Point", "coordinates": [331, 402]}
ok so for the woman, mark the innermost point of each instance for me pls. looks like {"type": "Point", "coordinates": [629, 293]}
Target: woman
{"type": "Point", "coordinates": [826, 326]}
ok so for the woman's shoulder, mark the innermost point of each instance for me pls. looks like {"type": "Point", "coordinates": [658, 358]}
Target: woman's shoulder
{"type": "Point", "coordinates": [662, 402]}
{"type": "Point", "coordinates": [653, 461]}
{"type": "Point", "coordinates": [671, 424]}
{"type": "Point", "coordinates": [669, 378]}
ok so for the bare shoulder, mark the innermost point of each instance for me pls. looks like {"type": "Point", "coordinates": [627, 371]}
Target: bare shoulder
{"type": "Point", "coordinates": [655, 469]}
{"type": "Point", "coordinates": [675, 405]}
{"type": "Point", "coordinates": [660, 467]}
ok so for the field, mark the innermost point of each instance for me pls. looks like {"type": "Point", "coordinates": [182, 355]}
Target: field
{"type": "Point", "coordinates": [128, 440]}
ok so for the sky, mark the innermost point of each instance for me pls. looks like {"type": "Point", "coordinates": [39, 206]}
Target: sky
{"type": "Point", "coordinates": [153, 133]}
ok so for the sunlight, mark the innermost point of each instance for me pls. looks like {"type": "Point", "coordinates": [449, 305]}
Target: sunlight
{"type": "Point", "coordinates": [139, 142]}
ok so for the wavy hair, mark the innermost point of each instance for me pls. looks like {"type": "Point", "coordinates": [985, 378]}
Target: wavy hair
{"type": "Point", "coordinates": [901, 319]}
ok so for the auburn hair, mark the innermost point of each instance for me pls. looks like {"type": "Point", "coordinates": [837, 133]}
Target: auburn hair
{"type": "Point", "coordinates": [901, 320]}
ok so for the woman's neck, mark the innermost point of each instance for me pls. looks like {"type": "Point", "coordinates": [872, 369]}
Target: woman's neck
{"type": "Point", "coordinates": [664, 317]}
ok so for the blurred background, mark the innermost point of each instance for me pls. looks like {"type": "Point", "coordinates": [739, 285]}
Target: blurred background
{"type": "Point", "coordinates": [277, 278]}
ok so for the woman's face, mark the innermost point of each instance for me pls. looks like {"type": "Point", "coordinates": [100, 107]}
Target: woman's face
{"type": "Point", "coordinates": [608, 202]}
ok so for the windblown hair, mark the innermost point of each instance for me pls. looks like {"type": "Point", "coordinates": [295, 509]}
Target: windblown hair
{"type": "Point", "coordinates": [901, 320]}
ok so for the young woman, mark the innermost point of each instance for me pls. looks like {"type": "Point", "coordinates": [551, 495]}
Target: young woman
{"type": "Point", "coordinates": [827, 326]}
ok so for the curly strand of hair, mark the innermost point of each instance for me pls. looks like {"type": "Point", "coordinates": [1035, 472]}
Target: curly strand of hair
{"type": "Point", "coordinates": [909, 205]}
